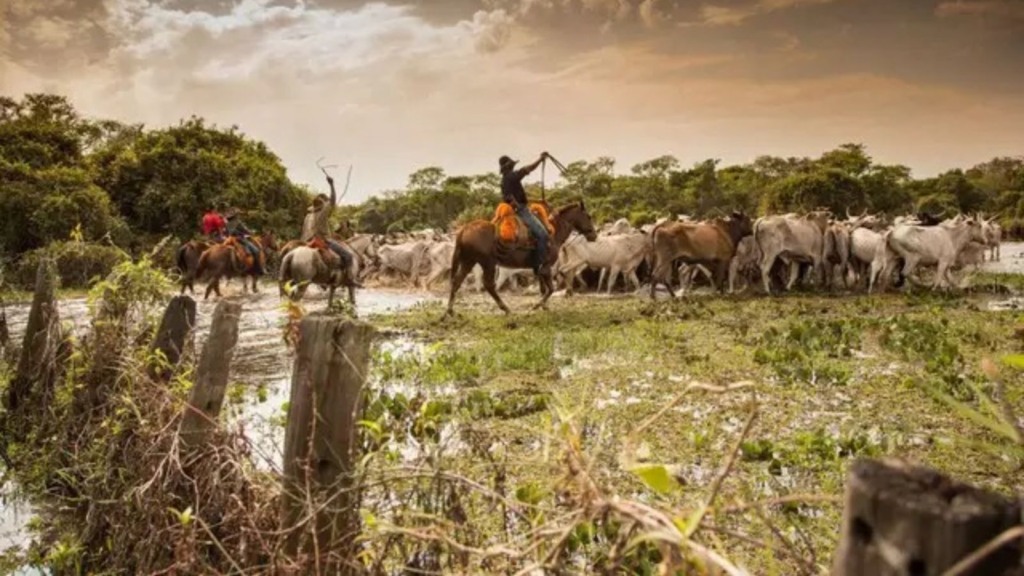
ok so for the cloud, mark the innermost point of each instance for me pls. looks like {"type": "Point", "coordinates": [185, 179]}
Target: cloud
{"type": "Point", "coordinates": [492, 30]}
{"type": "Point", "coordinates": [996, 8]}
{"type": "Point", "coordinates": [715, 15]}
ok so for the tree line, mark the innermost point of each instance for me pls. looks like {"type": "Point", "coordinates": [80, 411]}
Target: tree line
{"type": "Point", "coordinates": [63, 175]}
{"type": "Point", "coordinates": [840, 179]}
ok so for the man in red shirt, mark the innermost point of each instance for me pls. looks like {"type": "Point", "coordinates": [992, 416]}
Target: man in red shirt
{"type": "Point", "coordinates": [214, 225]}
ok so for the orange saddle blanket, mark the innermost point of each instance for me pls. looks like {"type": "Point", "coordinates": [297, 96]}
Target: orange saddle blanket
{"type": "Point", "coordinates": [511, 228]}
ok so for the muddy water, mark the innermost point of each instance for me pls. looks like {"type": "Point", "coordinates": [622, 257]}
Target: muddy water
{"type": "Point", "coordinates": [261, 362]}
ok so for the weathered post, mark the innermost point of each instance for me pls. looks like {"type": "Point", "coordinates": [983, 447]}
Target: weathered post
{"type": "Point", "coordinates": [330, 370]}
{"type": "Point", "coordinates": [207, 396]}
{"type": "Point", "coordinates": [37, 366]}
{"type": "Point", "coordinates": [908, 520]}
{"type": "Point", "coordinates": [178, 320]}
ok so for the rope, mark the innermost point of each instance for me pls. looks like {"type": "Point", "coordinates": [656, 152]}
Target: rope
{"type": "Point", "coordinates": [543, 193]}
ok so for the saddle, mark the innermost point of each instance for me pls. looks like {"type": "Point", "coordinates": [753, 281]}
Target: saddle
{"type": "Point", "coordinates": [325, 252]}
{"type": "Point", "coordinates": [511, 229]}
{"type": "Point", "coordinates": [240, 254]}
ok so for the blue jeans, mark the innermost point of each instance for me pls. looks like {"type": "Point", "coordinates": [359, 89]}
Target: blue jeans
{"type": "Point", "coordinates": [538, 231]}
{"type": "Point", "coordinates": [346, 258]}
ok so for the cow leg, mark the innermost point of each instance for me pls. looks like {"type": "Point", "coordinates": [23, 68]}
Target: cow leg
{"type": "Point", "coordinates": [794, 273]}
{"type": "Point", "coordinates": [352, 295]}
{"type": "Point", "coordinates": [909, 266]}
{"type": "Point", "coordinates": [767, 262]}
{"type": "Point", "coordinates": [634, 279]}
{"type": "Point", "coordinates": [613, 276]}
{"type": "Point", "coordinates": [330, 296]}
{"type": "Point", "coordinates": [255, 287]}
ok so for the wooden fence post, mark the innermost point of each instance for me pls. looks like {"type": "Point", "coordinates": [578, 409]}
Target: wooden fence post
{"type": "Point", "coordinates": [908, 520]}
{"type": "Point", "coordinates": [178, 320]}
{"type": "Point", "coordinates": [330, 370]}
{"type": "Point", "coordinates": [37, 365]}
{"type": "Point", "coordinates": [207, 396]}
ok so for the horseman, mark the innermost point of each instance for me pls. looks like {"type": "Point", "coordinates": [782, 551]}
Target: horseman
{"type": "Point", "coordinates": [237, 229]}
{"type": "Point", "coordinates": [317, 225]}
{"type": "Point", "coordinates": [513, 193]}
{"type": "Point", "coordinates": [214, 225]}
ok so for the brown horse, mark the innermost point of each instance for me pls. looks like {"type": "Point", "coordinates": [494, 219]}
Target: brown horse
{"type": "Point", "coordinates": [232, 260]}
{"type": "Point", "coordinates": [187, 261]}
{"type": "Point", "coordinates": [477, 243]}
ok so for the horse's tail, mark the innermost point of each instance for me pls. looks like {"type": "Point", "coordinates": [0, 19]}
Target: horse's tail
{"type": "Point", "coordinates": [180, 258]}
{"type": "Point", "coordinates": [284, 274]}
{"type": "Point", "coordinates": [456, 253]}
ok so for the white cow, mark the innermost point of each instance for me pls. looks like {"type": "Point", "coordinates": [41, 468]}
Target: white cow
{"type": "Point", "coordinates": [793, 239]}
{"type": "Point", "coordinates": [621, 254]}
{"type": "Point", "coordinates": [406, 258]}
{"type": "Point", "coordinates": [938, 246]}
{"type": "Point", "coordinates": [620, 226]}
{"type": "Point", "coordinates": [439, 261]}
{"type": "Point", "coordinates": [745, 263]}
{"type": "Point", "coordinates": [993, 238]}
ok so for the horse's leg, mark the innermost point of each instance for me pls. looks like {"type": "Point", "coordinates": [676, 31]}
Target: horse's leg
{"type": "Point", "coordinates": [545, 280]}
{"type": "Point", "coordinates": [459, 272]}
{"type": "Point", "coordinates": [209, 288]}
{"type": "Point", "coordinates": [489, 285]}
{"type": "Point", "coordinates": [352, 295]}
{"type": "Point", "coordinates": [255, 288]}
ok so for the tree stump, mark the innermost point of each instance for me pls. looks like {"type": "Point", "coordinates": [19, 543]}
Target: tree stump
{"type": "Point", "coordinates": [207, 396]}
{"type": "Point", "coordinates": [177, 323]}
{"type": "Point", "coordinates": [37, 366]}
{"type": "Point", "coordinates": [320, 440]}
{"type": "Point", "coordinates": [908, 520]}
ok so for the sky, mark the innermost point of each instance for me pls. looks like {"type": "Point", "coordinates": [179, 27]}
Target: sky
{"type": "Point", "coordinates": [390, 87]}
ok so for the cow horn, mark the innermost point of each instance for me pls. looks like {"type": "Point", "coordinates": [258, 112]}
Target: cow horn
{"type": "Point", "coordinates": [848, 215]}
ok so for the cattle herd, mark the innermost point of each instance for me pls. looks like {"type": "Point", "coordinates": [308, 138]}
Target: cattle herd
{"type": "Point", "coordinates": [773, 253]}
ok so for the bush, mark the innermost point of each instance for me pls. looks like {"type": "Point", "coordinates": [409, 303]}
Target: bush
{"type": "Point", "coordinates": [78, 263]}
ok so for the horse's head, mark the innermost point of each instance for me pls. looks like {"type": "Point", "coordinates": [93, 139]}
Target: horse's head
{"type": "Point", "coordinates": [575, 215]}
{"type": "Point", "coordinates": [268, 243]}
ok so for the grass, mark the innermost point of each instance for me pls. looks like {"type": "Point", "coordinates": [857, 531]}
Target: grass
{"type": "Point", "coordinates": [833, 378]}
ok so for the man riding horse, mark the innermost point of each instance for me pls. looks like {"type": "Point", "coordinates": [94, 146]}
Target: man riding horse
{"type": "Point", "coordinates": [513, 193]}
{"type": "Point", "coordinates": [317, 225]}
{"type": "Point", "coordinates": [238, 230]}
{"type": "Point", "coordinates": [214, 225]}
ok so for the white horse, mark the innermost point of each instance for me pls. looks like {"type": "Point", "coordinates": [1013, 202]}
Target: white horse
{"type": "Point", "coordinates": [304, 266]}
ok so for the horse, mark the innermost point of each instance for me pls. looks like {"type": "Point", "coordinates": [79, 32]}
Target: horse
{"type": "Point", "coordinates": [231, 259]}
{"type": "Point", "coordinates": [316, 264]}
{"type": "Point", "coordinates": [477, 243]}
{"type": "Point", "coordinates": [187, 262]}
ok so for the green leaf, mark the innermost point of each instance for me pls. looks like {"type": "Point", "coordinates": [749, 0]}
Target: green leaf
{"type": "Point", "coordinates": [656, 477]}
{"type": "Point", "coordinates": [1014, 361]}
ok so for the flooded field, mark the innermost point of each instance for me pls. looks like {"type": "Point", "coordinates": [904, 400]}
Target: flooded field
{"type": "Point", "coordinates": [616, 360]}
{"type": "Point", "coordinates": [261, 362]}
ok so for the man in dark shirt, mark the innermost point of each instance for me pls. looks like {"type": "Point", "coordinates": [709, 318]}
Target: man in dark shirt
{"type": "Point", "coordinates": [237, 229]}
{"type": "Point", "coordinates": [513, 193]}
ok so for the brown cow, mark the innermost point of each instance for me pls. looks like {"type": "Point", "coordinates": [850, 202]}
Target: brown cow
{"type": "Point", "coordinates": [712, 244]}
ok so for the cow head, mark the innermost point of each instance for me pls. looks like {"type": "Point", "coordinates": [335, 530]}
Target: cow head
{"type": "Point", "coordinates": [738, 225]}
{"type": "Point", "coordinates": [820, 218]}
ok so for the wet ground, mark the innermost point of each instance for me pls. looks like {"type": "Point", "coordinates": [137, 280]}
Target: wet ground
{"type": "Point", "coordinates": [261, 361]}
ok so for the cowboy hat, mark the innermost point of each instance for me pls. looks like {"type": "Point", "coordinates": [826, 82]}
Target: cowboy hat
{"type": "Point", "coordinates": [505, 160]}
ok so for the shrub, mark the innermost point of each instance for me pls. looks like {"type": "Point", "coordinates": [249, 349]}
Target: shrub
{"type": "Point", "coordinates": [78, 263]}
